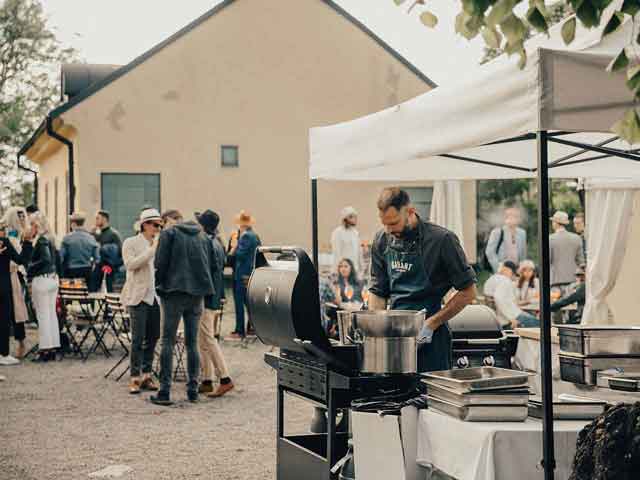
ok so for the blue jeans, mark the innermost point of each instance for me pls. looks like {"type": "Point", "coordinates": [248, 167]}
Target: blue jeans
{"type": "Point", "coordinates": [526, 320]}
{"type": "Point", "coordinates": [239, 300]}
{"type": "Point", "coordinates": [175, 306]}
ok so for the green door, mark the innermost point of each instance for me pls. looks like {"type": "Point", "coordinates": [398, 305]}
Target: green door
{"type": "Point", "coordinates": [125, 194]}
{"type": "Point", "coordinates": [421, 198]}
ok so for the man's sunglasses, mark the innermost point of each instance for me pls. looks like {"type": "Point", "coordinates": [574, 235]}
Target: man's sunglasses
{"type": "Point", "coordinates": [157, 225]}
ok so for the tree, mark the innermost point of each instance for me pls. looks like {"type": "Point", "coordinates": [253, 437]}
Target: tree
{"type": "Point", "coordinates": [30, 54]}
{"type": "Point", "coordinates": [501, 27]}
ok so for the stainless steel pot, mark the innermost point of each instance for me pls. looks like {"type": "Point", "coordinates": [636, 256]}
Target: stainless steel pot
{"type": "Point", "coordinates": [389, 340]}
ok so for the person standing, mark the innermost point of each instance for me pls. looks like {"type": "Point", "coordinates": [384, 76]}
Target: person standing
{"type": "Point", "coordinates": [44, 285]}
{"type": "Point", "coordinates": [345, 239]}
{"type": "Point", "coordinates": [579, 227]}
{"type": "Point", "coordinates": [211, 355]}
{"type": "Point", "coordinates": [243, 249]}
{"type": "Point", "coordinates": [565, 252]}
{"type": "Point", "coordinates": [110, 250]}
{"type": "Point", "coordinates": [79, 252]}
{"type": "Point", "coordinates": [139, 296]}
{"type": "Point", "coordinates": [414, 263]}
{"type": "Point", "coordinates": [9, 255]}
{"type": "Point", "coordinates": [508, 242]}
{"type": "Point", "coordinates": [185, 267]}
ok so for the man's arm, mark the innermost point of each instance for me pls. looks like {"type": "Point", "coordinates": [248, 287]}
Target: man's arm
{"type": "Point", "coordinates": [460, 300]}
{"type": "Point", "coordinates": [378, 277]}
{"type": "Point", "coordinates": [576, 297]}
{"type": "Point", "coordinates": [579, 253]}
{"type": "Point", "coordinates": [161, 261]}
{"type": "Point", "coordinates": [490, 250]}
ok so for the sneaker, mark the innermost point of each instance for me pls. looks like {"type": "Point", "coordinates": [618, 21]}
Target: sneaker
{"type": "Point", "coordinates": [8, 360]}
{"type": "Point", "coordinates": [221, 390]}
{"type": "Point", "coordinates": [134, 386]}
{"type": "Point", "coordinates": [161, 398]}
{"type": "Point", "coordinates": [149, 385]}
{"type": "Point", "coordinates": [192, 396]}
{"type": "Point", "coordinates": [235, 336]}
{"type": "Point", "coordinates": [205, 387]}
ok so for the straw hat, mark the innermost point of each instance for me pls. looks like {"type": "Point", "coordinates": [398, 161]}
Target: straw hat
{"type": "Point", "coordinates": [149, 215]}
{"type": "Point", "coordinates": [347, 212]}
{"type": "Point", "coordinates": [244, 219]}
{"type": "Point", "coordinates": [560, 217]}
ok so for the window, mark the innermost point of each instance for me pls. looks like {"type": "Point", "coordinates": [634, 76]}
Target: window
{"type": "Point", "coordinates": [46, 200]}
{"type": "Point", "coordinates": [229, 154]}
{"type": "Point", "coordinates": [125, 194]}
{"type": "Point", "coordinates": [421, 198]}
{"type": "Point", "coordinates": [55, 205]}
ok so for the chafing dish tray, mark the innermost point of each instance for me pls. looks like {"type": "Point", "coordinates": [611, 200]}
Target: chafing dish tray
{"type": "Point", "coordinates": [581, 369]}
{"type": "Point", "coordinates": [486, 397]}
{"type": "Point", "coordinates": [480, 413]}
{"type": "Point", "coordinates": [467, 380]}
{"type": "Point", "coordinates": [618, 379]}
{"type": "Point", "coordinates": [568, 409]}
{"type": "Point", "coordinates": [603, 340]}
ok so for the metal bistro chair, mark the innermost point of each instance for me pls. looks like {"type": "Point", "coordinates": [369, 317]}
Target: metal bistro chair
{"type": "Point", "coordinates": [118, 321]}
{"type": "Point", "coordinates": [82, 318]}
{"type": "Point", "coordinates": [179, 370]}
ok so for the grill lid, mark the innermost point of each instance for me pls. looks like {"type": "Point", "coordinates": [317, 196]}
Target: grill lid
{"type": "Point", "coordinates": [475, 322]}
{"type": "Point", "coordinates": [284, 301]}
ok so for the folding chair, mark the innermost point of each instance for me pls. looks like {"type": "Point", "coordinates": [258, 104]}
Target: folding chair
{"type": "Point", "coordinates": [179, 369]}
{"type": "Point", "coordinates": [119, 322]}
{"type": "Point", "coordinates": [82, 318]}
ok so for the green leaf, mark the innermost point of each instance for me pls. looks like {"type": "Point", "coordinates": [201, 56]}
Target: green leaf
{"type": "Point", "coordinates": [628, 128]}
{"type": "Point", "coordinates": [501, 10]}
{"type": "Point", "coordinates": [588, 15]}
{"type": "Point", "coordinates": [428, 19]}
{"type": "Point", "coordinates": [630, 7]}
{"type": "Point", "coordinates": [511, 48]}
{"type": "Point", "coordinates": [601, 4]}
{"type": "Point", "coordinates": [513, 29]}
{"type": "Point", "coordinates": [575, 4]}
{"type": "Point", "coordinates": [569, 30]}
{"type": "Point", "coordinates": [621, 61]}
{"type": "Point", "coordinates": [614, 22]}
{"type": "Point", "coordinates": [536, 19]}
{"type": "Point", "coordinates": [491, 37]}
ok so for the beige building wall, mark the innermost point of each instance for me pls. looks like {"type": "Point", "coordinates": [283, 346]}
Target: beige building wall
{"type": "Point", "coordinates": [257, 75]}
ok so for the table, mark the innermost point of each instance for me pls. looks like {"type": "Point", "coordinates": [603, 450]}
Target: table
{"type": "Point", "coordinates": [492, 450]}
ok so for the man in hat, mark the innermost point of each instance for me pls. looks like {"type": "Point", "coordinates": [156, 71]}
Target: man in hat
{"type": "Point", "coordinates": [345, 239]}
{"type": "Point", "coordinates": [79, 252]}
{"type": "Point", "coordinates": [243, 248]}
{"type": "Point", "coordinates": [210, 352]}
{"type": "Point", "coordinates": [565, 252]}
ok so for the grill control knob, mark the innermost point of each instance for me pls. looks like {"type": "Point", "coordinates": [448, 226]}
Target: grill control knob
{"type": "Point", "coordinates": [462, 362]}
{"type": "Point", "coordinates": [489, 361]}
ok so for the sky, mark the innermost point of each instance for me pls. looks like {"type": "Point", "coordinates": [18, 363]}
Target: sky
{"type": "Point", "coordinates": [117, 31]}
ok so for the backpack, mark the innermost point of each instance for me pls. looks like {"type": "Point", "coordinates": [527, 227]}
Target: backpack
{"type": "Point", "coordinates": [485, 261]}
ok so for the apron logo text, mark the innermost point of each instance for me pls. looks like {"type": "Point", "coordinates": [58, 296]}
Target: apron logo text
{"type": "Point", "coordinates": [401, 266]}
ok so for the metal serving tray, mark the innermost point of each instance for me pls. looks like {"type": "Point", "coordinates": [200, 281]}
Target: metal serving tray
{"type": "Point", "coordinates": [480, 413]}
{"type": "Point", "coordinates": [487, 397]}
{"type": "Point", "coordinates": [581, 369]}
{"type": "Point", "coordinates": [466, 380]}
{"type": "Point", "coordinates": [568, 410]}
{"type": "Point", "coordinates": [604, 340]}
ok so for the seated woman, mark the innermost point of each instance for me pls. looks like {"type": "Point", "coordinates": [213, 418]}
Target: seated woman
{"type": "Point", "coordinates": [528, 284]}
{"type": "Point", "coordinates": [348, 287]}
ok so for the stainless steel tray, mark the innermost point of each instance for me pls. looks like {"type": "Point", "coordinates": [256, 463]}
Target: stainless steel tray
{"type": "Point", "coordinates": [581, 369]}
{"type": "Point", "coordinates": [480, 413]}
{"type": "Point", "coordinates": [569, 410]}
{"type": "Point", "coordinates": [465, 380]}
{"type": "Point", "coordinates": [604, 340]}
{"type": "Point", "coordinates": [603, 376]}
{"type": "Point", "coordinates": [486, 397]}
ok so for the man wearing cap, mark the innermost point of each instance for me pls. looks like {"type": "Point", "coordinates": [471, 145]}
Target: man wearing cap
{"type": "Point", "coordinates": [139, 295]}
{"type": "Point", "coordinates": [79, 251]}
{"type": "Point", "coordinates": [210, 353]}
{"type": "Point", "coordinates": [243, 248]}
{"type": "Point", "coordinates": [345, 239]}
{"type": "Point", "coordinates": [565, 252]}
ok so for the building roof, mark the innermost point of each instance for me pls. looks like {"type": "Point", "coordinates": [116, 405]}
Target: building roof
{"type": "Point", "coordinates": [99, 85]}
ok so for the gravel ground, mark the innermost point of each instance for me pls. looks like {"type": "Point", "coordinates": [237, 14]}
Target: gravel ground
{"type": "Point", "coordinates": [63, 420]}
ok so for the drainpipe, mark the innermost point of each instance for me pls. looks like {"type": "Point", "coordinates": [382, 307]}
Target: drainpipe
{"type": "Point", "coordinates": [69, 144]}
{"type": "Point", "coordinates": [35, 179]}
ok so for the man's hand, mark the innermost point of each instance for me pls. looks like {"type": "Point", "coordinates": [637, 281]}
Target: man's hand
{"type": "Point", "coordinates": [2, 249]}
{"type": "Point", "coordinates": [376, 302]}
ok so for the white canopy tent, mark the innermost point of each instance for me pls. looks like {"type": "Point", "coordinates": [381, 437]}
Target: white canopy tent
{"type": "Point", "coordinates": [483, 127]}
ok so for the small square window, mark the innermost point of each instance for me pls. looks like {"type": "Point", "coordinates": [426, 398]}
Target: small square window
{"type": "Point", "coordinates": [229, 155]}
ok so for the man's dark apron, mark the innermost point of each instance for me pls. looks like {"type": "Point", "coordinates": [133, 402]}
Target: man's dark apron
{"type": "Point", "coordinates": [407, 277]}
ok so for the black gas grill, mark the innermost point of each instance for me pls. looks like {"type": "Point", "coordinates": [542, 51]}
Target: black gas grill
{"type": "Point", "coordinates": [479, 341]}
{"type": "Point", "coordinates": [284, 307]}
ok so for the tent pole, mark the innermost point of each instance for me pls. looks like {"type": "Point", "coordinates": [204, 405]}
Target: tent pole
{"type": "Point", "coordinates": [314, 221]}
{"type": "Point", "coordinates": [548, 461]}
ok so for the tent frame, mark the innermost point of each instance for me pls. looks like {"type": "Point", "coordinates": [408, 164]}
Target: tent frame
{"type": "Point", "coordinates": [542, 138]}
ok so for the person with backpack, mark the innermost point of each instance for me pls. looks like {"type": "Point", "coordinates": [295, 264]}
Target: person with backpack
{"type": "Point", "coordinates": [508, 242]}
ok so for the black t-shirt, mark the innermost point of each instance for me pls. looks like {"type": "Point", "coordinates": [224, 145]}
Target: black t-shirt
{"type": "Point", "coordinates": [444, 260]}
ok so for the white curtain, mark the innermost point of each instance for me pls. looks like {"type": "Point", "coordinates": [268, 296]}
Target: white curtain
{"type": "Point", "coordinates": [609, 211]}
{"type": "Point", "coordinates": [446, 206]}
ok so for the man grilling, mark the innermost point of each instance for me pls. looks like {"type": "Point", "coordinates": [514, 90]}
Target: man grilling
{"type": "Point", "coordinates": [414, 264]}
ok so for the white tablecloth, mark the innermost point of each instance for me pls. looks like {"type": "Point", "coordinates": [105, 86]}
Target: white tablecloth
{"type": "Point", "coordinates": [491, 450]}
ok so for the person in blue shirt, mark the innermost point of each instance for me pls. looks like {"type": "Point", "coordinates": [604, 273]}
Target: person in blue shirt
{"type": "Point", "coordinates": [80, 251]}
{"type": "Point", "coordinates": [244, 243]}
